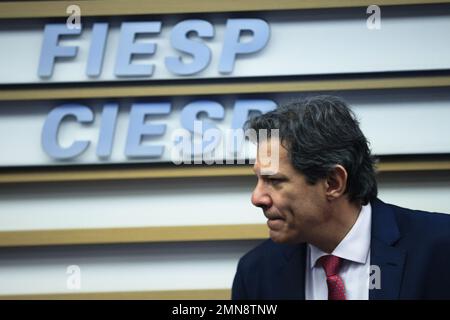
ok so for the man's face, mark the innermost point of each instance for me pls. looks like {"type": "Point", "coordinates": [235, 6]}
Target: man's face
{"type": "Point", "coordinates": [295, 209]}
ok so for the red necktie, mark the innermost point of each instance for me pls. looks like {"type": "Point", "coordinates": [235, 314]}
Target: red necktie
{"type": "Point", "coordinates": [336, 288]}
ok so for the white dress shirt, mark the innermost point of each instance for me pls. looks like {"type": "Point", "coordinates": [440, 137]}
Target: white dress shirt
{"type": "Point", "coordinates": [355, 268]}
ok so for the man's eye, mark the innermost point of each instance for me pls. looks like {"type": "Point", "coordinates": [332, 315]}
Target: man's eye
{"type": "Point", "coordinates": [275, 181]}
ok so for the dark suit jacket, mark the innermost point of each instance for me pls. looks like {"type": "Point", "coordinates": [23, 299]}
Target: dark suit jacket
{"type": "Point", "coordinates": [412, 249]}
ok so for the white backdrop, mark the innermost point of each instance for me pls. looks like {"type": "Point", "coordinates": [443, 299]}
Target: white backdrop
{"type": "Point", "coordinates": [204, 265]}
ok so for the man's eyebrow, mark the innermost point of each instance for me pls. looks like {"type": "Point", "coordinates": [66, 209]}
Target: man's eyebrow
{"type": "Point", "coordinates": [278, 176]}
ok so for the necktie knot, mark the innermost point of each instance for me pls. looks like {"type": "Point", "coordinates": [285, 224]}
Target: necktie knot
{"type": "Point", "coordinates": [331, 264]}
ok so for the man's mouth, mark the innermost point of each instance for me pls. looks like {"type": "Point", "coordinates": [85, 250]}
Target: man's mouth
{"type": "Point", "coordinates": [274, 221]}
{"type": "Point", "coordinates": [271, 216]}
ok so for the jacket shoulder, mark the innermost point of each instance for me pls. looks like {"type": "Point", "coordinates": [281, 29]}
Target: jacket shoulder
{"type": "Point", "coordinates": [266, 255]}
{"type": "Point", "coordinates": [423, 224]}
{"type": "Point", "coordinates": [426, 239]}
{"type": "Point", "coordinates": [257, 268]}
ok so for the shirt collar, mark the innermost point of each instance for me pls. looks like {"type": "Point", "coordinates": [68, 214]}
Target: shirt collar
{"type": "Point", "coordinates": [356, 244]}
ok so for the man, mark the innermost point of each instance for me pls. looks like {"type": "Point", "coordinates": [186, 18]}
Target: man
{"type": "Point", "coordinates": [331, 238]}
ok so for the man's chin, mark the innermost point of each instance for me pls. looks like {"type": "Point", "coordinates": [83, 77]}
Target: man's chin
{"type": "Point", "coordinates": [278, 237]}
{"type": "Point", "coordinates": [281, 238]}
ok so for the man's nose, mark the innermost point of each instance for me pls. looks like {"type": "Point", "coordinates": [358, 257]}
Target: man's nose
{"type": "Point", "coordinates": [260, 198]}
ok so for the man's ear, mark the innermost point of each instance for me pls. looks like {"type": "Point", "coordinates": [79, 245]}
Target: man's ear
{"type": "Point", "coordinates": [336, 182]}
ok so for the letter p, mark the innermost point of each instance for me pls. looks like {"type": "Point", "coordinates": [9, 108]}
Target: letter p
{"type": "Point", "coordinates": [232, 46]}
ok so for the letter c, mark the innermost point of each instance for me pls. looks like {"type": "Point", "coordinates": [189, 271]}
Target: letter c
{"type": "Point", "coordinates": [49, 138]}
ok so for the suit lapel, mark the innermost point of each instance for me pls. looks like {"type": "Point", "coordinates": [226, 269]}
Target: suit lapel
{"type": "Point", "coordinates": [384, 254]}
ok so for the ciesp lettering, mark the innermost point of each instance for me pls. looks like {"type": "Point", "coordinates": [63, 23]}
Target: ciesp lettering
{"type": "Point", "coordinates": [192, 137]}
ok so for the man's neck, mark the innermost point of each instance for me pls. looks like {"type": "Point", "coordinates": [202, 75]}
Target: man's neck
{"type": "Point", "coordinates": [342, 218]}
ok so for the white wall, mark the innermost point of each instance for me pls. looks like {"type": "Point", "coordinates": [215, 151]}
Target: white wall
{"type": "Point", "coordinates": [139, 267]}
{"type": "Point", "coordinates": [171, 202]}
{"type": "Point", "coordinates": [144, 267]}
